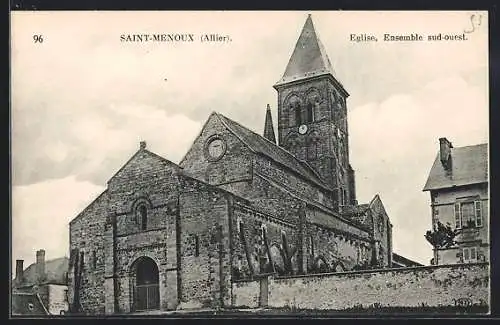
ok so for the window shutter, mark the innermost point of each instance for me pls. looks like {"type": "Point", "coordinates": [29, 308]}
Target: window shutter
{"type": "Point", "coordinates": [479, 216]}
{"type": "Point", "coordinates": [458, 219]}
{"type": "Point", "coordinates": [473, 256]}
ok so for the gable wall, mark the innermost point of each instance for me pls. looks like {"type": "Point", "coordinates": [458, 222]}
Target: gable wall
{"type": "Point", "coordinates": [234, 166]}
{"type": "Point", "coordinates": [382, 232]}
{"type": "Point", "coordinates": [87, 234]}
{"type": "Point", "coordinates": [152, 180]}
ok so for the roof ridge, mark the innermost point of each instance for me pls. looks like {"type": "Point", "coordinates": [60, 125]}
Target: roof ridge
{"type": "Point", "coordinates": [471, 145]}
{"type": "Point", "coordinates": [309, 57]}
{"type": "Point", "coordinates": [302, 162]}
{"type": "Point", "coordinates": [469, 166]}
{"type": "Point", "coordinates": [135, 154]}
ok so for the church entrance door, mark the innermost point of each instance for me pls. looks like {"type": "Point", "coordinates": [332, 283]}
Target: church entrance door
{"type": "Point", "coordinates": [146, 293]}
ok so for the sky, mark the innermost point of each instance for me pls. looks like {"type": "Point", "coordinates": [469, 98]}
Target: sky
{"type": "Point", "coordinates": [82, 100]}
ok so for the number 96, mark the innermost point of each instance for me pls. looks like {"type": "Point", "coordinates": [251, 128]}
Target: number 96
{"type": "Point", "coordinates": [37, 38]}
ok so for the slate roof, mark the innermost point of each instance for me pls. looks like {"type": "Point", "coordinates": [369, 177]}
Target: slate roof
{"type": "Point", "coordinates": [406, 262]}
{"type": "Point", "coordinates": [55, 269]}
{"type": "Point", "coordinates": [355, 209]}
{"type": "Point", "coordinates": [469, 166]}
{"type": "Point", "coordinates": [329, 221]}
{"type": "Point", "coordinates": [27, 304]}
{"type": "Point", "coordinates": [309, 57]}
{"type": "Point", "coordinates": [261, 145]}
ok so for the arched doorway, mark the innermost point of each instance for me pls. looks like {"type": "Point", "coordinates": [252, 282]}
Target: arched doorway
{"type": "Point", "coordinates": [145, 277]}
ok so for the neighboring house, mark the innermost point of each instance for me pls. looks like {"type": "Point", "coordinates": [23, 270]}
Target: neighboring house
{"type": "Point", "coordinates": [28, 304]}
{"type": "Point", "coordinates": [401, 261]}
{"type": "Point", "coordinates": [458, 186]}
{"type": "Point", "coordinates": [45, 281]}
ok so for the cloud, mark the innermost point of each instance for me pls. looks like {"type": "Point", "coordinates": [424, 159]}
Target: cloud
{"type": "Point", "coordinates": [41, 214]}
{"type": "Point", "coordinates": [396, 157]}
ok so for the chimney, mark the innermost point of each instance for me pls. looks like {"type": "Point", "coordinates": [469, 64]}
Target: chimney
{"type": "Point", "coordinates": [19, 271]}
{"type": "Point", "coordinates": [142, 145]}
{"type": "Point", "coordinates": [40, 264]}
{"type": "Point", "coordinates": [445, 152]}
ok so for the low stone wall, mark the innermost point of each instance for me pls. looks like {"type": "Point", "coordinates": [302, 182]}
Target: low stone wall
{"type": "Point", "coordinates": [429, 286]}
{"type": "Point", "coordinates": [246, 294]}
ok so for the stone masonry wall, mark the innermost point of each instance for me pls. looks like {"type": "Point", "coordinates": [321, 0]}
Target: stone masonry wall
{"type": "Point", "coordinates": [246, 294]}
{"type": "Point", "coordinates": [408, 287]}
{"type": "Point", "coordinates": [204, 245]}
{"type": "Point", "coordinates": [249, 224]}
{"type": "Point", "coordinates": [87, 234]}
{"type": "Point", "coordinates": [381, 232]}
{"type": "Point", "coordinates": [273, 199]}
{"type": "Point", "coordinates": [329, 109]}
{"type": "Point", "coordinates": [340, 251]}
{"type": "Point", "coordinates": [150, 180]}
{"type": "Point", "coordinates": [234, 166]}
{"type": "Point", "coordinates": [291, 182]}
{"type": "Point", "coordinates": [57, 299]}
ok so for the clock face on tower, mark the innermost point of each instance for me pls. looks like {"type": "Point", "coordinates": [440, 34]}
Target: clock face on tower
{"type": "Point", "coordinates": [215, 148]}
{"type": "Point", "coordinates": [303, 129]}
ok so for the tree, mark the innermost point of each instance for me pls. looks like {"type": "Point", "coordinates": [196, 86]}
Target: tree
{"type": "Point", "coordinates": [441, 237]}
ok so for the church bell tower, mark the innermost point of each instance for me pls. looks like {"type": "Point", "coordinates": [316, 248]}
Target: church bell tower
{"type": "Point", "coordinates": [312, 115]}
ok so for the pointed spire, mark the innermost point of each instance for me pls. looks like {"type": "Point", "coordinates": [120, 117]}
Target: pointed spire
{"type": "Point", "coordinates": [309, 56]}
{"type": "Point", "coordinates": [268, 126]}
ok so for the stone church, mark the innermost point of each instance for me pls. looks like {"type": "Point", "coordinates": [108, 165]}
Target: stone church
{"type": "Point", "coordinates": [239, 205]}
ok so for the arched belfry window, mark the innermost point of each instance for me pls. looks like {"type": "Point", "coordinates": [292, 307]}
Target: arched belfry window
{"type": "Point", "coordinates": [310, 113]}
{"type": "Point", "coordinates": [298, 114]}
{"type": "Point", "coordinates": [293, 103]}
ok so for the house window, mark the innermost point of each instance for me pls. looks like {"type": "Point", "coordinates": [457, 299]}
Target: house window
{"type": "Point", "coordinates": [468, 214]}
{"type": "Point", "coordinates": [470, 254]}
{"type": "Point", "coordinates": [94, 260]}
{"type": "Point", "coordinates": [478, 213]}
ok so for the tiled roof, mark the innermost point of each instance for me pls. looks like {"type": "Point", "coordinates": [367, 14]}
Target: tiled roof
{"type": "Point", "coordinates": [27, 304]}
{"type": "Point", "coordinates": [309, 57]}
{"type": "Point", "coordinates": [469, 165]}
{"type": "Point", "coordinates": [55, 271]}
{"type": "Point", "coordinates": [259, 144]}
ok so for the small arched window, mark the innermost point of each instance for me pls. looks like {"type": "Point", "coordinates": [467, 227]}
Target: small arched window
{"type": "Point", "coordinates": [142, 212]}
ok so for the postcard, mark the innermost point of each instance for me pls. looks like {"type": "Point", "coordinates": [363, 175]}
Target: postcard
{"type": "Point", "coordinates": [249, 163]}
